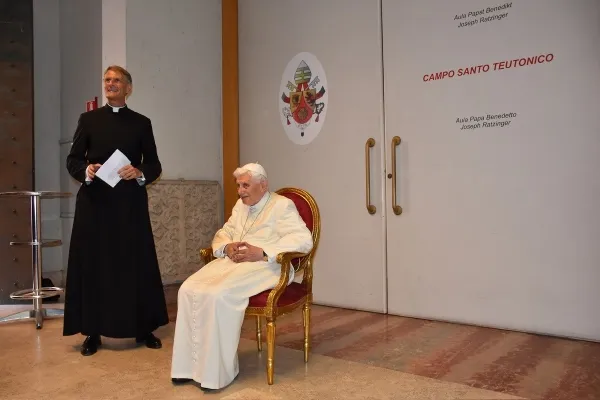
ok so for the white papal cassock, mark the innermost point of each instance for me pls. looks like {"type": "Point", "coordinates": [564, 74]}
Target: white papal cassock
{"type": "Point", "coordinates": [211, 303]}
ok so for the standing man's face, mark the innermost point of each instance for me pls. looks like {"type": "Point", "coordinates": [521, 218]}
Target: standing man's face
{"type": "Point", "coordinates": [116, 88]}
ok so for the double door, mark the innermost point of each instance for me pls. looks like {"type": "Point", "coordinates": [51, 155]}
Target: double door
{"type": "Point", "coordinates": [455, 165]}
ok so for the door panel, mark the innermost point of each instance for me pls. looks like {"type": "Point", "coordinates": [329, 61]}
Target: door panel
{"type": "Point", "coordinates": [345, 36]}
{"type": "Point", "coordinates": [499, 225]}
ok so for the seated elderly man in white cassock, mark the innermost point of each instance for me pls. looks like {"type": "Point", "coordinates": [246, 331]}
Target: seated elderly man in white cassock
{"type": "Point", "coordinates": [211, 303]}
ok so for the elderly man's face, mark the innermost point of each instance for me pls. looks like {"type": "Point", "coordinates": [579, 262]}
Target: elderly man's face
{"type": "Point", "coordinates": [116, 87]}
{"type": "Point", "coordinates": [250, 190]}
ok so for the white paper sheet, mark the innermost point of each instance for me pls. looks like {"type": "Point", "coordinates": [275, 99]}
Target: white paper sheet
{"type": "Point", "coordinates": [108, 172]}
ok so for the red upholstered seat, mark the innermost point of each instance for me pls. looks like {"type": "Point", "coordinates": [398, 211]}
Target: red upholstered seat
{"type": "Point", "coordinates": [293, 293]}
{"type": "Point", "coordinates": [303, 208]}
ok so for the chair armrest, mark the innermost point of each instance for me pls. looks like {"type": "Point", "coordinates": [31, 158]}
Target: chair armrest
{"type": "Point", "coordinates": [285, 259]}
{"type": "Point", "coordinates": [288, 256]}
{"type": "Point", "coordinates": [207, 255]}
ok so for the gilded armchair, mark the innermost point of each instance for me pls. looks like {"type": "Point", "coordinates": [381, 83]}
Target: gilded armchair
{"type": "Point", "coordinates": [283, 298]}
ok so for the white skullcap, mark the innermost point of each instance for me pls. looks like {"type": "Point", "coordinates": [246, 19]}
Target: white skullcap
{"type": "Point", "coordinates": [255, 168]}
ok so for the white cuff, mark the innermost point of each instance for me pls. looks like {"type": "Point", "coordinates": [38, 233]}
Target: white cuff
{"type": "Point", "coordinates": [221, 252]}
{"type": "Point", "coordinates": [87, 178]}
{"type": "Point", "coordinates": [270, 259]}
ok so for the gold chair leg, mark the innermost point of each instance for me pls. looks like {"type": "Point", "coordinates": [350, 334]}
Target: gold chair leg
{"type": "Point", "coordinates": [270, 351]}
{"type": "Point", "coordinates": [306, 323]}
{"type": "Point", "coordinates": [258, 333]}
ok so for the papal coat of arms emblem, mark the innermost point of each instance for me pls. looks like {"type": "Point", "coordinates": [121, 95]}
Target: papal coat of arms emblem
{"type": "Point", "coordinates": [303, 98]}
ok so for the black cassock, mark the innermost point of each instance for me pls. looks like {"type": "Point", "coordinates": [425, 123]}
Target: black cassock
{"type": "Point", "coordinates": [113, 286]}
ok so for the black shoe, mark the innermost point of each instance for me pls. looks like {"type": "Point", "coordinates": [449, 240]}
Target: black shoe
{"type": "Point", "coordinates": [152, 342]}
{"type": "Point", "coordinates": [90, 345]}
{"type": "Point", "coordinates": [180, 380]}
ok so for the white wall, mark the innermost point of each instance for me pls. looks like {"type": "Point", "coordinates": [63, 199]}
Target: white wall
{"type": "Point", "coordinates": [47, 121]}
{"type": "Point", "coordinates": [114, 34]}
{"type": "Point", "coordinates": [174, 54]}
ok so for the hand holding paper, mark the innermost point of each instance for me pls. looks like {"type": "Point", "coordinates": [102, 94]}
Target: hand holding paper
{"type": "Point", "coordinates": [90, 171]}
{"type": "Point", "coordinates": [129, 172]}
{"type": "Point", "coordinates": [109, 171]}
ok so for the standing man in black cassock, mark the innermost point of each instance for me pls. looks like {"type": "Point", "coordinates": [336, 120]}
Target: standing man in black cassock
{"type": "Point", "coordinates": [113, 287]}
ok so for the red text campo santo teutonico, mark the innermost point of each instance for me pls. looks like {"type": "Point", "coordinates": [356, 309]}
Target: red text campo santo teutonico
{"type": "Point", "coordinates": [497, 66]}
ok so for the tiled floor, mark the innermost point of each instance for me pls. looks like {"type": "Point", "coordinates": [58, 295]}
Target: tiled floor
{"type": "Point", "coordinates": [354, 355]}
{"type": "Point", "coordinates": [43, 363]}
{"type": "Point", "coordinates": [530, 366]}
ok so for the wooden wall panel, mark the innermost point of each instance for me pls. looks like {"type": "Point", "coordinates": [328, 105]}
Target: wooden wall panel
{"type": "Point", "coordinates": [16, 142]}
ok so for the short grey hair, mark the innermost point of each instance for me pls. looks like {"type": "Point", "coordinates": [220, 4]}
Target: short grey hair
{"type": "Point", "coordinates": [122, 71]}
{"type": "Point", "coordinates": [255, 177]}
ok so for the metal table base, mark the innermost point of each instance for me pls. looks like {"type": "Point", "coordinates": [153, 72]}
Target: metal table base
{"type": "Point", "coordinates": [37, 293]}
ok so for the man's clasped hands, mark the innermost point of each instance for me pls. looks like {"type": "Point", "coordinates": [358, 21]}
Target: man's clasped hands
{"type": "Point", "coordinates": [243, 252]}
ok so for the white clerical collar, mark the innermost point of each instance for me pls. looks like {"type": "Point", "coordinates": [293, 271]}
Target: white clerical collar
{"type": "Point", "coordinates": [116, 109]}
{"type": "Point", "coordinates": [261, 203]}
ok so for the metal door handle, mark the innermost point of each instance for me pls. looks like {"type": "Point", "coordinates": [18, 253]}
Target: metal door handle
{"type": "Point", "coordinates": [395, 207]}
{"type": "Point", "coordinates": [370, 207]}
